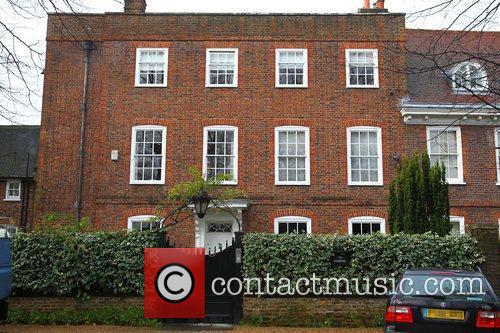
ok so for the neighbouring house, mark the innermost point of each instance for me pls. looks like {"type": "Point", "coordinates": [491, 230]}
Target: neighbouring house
{"type": "Point", "coordinates": [18, 161]}
{"type": "Point", "coordinates": [452, 110]}
{"type": "Point", "coordinates": [303, 110]}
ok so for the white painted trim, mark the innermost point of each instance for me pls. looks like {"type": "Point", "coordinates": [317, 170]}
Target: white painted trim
{"type": "Point", "coordinates": [461, 221]}
{"type": "Point", "coordinates": [375, 69]}
{"type": "Point", "coordinates": [380, 181]}
{"type": "Point", "coordinates": [460, 179]}
{"type": "Point", "coordinates": [285, 219]}
{"type": "Point", "coordinates": [165, 75]}
{"type": "Point", "coordinates": [163, 153]}
{"type": "Point", "coordinates": [463, 91]}
{"type": "Point", "coordinates": [276, 155]}
{"type": "Point", "coordinates": [235, 149]}
{"type": "Point", "coordinates": [207, 68]}
{"type": "Point", "coordinates": [497, 152]}
{"type": "Point", "coordinates": [12, 198]}
{"type": "Point", "coordinates": [444, 114]}
{"type": "Point", "coordinates": [305, 82]}
{"type": "Point", "coordinates": [365, 219]}
{"type": "Point", "coordinates": [214, 215]}
{"type": "Point", "coordinates": [138, 218]}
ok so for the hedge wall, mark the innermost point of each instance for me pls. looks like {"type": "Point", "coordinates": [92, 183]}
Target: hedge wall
{"type": "Point", "coordinates": [64, 263]}
{"type": "Point", "coordinates": [69, 263]}
{"type": "Point", "coordinates": [295, 256]}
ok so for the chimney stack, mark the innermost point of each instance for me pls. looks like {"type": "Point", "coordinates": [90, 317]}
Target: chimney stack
{"type": "Point", "coordinates": [379, 4]}
{"type": "Point", "coordinates": [378, 7]}
{"type": "Point", "coordinates": [135, 7]}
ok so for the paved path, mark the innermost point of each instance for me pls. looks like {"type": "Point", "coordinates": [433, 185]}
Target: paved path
{"type": "Point", "coordinates": [119, 329]}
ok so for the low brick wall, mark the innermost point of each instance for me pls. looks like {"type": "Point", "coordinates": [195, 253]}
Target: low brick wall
{"type": "Point", "coordinates": [312, 311]}
{"type": "Point", "coordinates": [71, 303]}
{"type": "Point", "coordinates": [306, 311]}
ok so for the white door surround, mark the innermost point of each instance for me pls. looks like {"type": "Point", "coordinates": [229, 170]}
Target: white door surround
{"type": "Point", "coordinates": [219, 226]}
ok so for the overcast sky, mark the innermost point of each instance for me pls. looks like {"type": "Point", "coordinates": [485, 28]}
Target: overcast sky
{"type": "Point", "coordinates": [33, 30]}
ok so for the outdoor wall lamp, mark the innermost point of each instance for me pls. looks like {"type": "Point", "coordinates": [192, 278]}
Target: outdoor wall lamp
{"type": "Point", "coordinates": [201, 203]}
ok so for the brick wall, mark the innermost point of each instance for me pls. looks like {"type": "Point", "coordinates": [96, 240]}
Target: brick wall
{"type": "Point", "coordinates": [70, 303]}
{"type": "Point", "coordinates": [335, 311]}
{"type": "Point", "coordinates": [306, 311]}
{"type": "Point", "coordinates": [488, 238]}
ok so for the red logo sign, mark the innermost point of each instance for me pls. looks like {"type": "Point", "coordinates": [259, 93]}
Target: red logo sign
{"type": "Point", "coordinates": [174, 283]}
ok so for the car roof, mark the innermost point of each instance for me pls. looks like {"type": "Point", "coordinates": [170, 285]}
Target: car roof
{"type": "Point", "coordinates": [438, 271]}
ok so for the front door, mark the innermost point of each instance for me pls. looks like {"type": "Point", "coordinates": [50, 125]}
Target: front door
{"type": "Point", "coordinates": [219, 235]}
{"type": "Point", "coordinates": [216, 229]}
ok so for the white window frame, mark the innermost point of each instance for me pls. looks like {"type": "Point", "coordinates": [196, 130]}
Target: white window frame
{"type": "Point", "coordinates": [380, 181]}
{"type": "Point", "coordinates": [366, 219]}
{"type": "Point", "coordinates": [462, 90]}
{"type": "Point", "coordinates": [235, 149]}
{"type": "Point", "coordinates": [461, 221]}
{"type": "Point", "coordinates": [460, 179]}
{"type": "Point", "coordinates": [207, 68]}
{"type": "Point", "coordinates": [376, 81]}
{"type": "Point", "coordinates": [163, 152]}
{"type": "Point", "coordinates": [278, 129]}
{"type": "Point", "coordinates": [276, 70]}
{"type": "Point", "coordinates": [138, 218]}
{"type": "Point", "coordinates": [137, 72]}
{"type": "Point", "coordinates": [7, 196]}
{"type": "Point", "coordinates": [497, 153]}
{"type": "Point", "coordinates": [287, 219]}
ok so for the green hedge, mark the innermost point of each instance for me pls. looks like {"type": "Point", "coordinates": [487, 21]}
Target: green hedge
{"type": "Point", "coordinates": [295, 256]}
{"type": "Point", "coordinates": [69, 263]}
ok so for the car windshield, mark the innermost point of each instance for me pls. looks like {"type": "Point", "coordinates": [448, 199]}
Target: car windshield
{"type": "Point", "coordinates": [445, 286]}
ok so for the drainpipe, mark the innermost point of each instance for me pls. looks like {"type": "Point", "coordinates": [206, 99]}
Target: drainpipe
{"type": "Point", "coordinates": [25, 194]}
{"type": "Point", "coordinates": [87, 46]}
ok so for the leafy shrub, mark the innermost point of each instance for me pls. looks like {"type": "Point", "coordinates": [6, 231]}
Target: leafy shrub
{"type": "Point", "coordinates": [72, 263]}
{"type": "Point", "coordinates": [377, 256]}
{"type": "Point", "coordinates": [121, 316]}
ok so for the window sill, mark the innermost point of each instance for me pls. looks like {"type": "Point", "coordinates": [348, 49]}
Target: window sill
{"type": "Point", "coordinates": [292, 184]}
{"type": "Point", "coordinates": [460, 183]}
{"type": "Point", "coordinates": [498, 183]}
{"type": "Point", "coordinates": [363, 87]}
{"type": "Point", "coordinates": [221, 86]}
{"type": "Point", "coordinates": [229, 183]}
{"type": "Point", "coordinates": [472, 92]}
{"type": "Point", "coordinates": [150, 86]}
{"type": "Point", "coordinates": [12, 200]}
{"type": "Point", "coordinates": [146, 183]}
{"type": "Point", "coordinates": [365, 184]}
{"type": "Point", "coordinates": [291, 87]}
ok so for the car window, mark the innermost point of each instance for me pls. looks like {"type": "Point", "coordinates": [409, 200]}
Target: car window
{"type": "Point", "coordinates": [467, 287]}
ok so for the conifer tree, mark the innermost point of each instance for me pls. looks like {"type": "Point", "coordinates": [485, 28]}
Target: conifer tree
{"type": "Point", "coordinates": [418, 198]}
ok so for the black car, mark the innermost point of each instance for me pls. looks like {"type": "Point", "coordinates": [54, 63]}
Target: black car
{"type": "Point", "coordinates": [442, 301]}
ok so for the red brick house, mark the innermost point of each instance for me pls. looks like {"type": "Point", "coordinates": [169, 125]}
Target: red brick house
{"type": "Point", "coordinates": [18, 160]}
{"type": "Point", "coordinates": [302, 109]}
{"type": "Point", "coordinates": [452, 110]}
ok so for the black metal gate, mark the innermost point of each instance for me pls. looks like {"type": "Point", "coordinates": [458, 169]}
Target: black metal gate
{"type": "Point", "coordinates": [222, 262]}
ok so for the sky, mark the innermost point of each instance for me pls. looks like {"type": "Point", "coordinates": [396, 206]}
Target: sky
{"type": "Point", "coordinates": [33, 29]}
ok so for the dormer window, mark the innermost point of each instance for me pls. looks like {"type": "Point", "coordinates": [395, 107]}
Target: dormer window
{"type": "Point", "coordinates": [469, 77]}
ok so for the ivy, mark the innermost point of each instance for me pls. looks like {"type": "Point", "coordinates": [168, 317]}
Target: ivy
{"type": "Point", "coordinates": [73, 263]}
{"type": "Point", "coordinates": [377, 256]}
